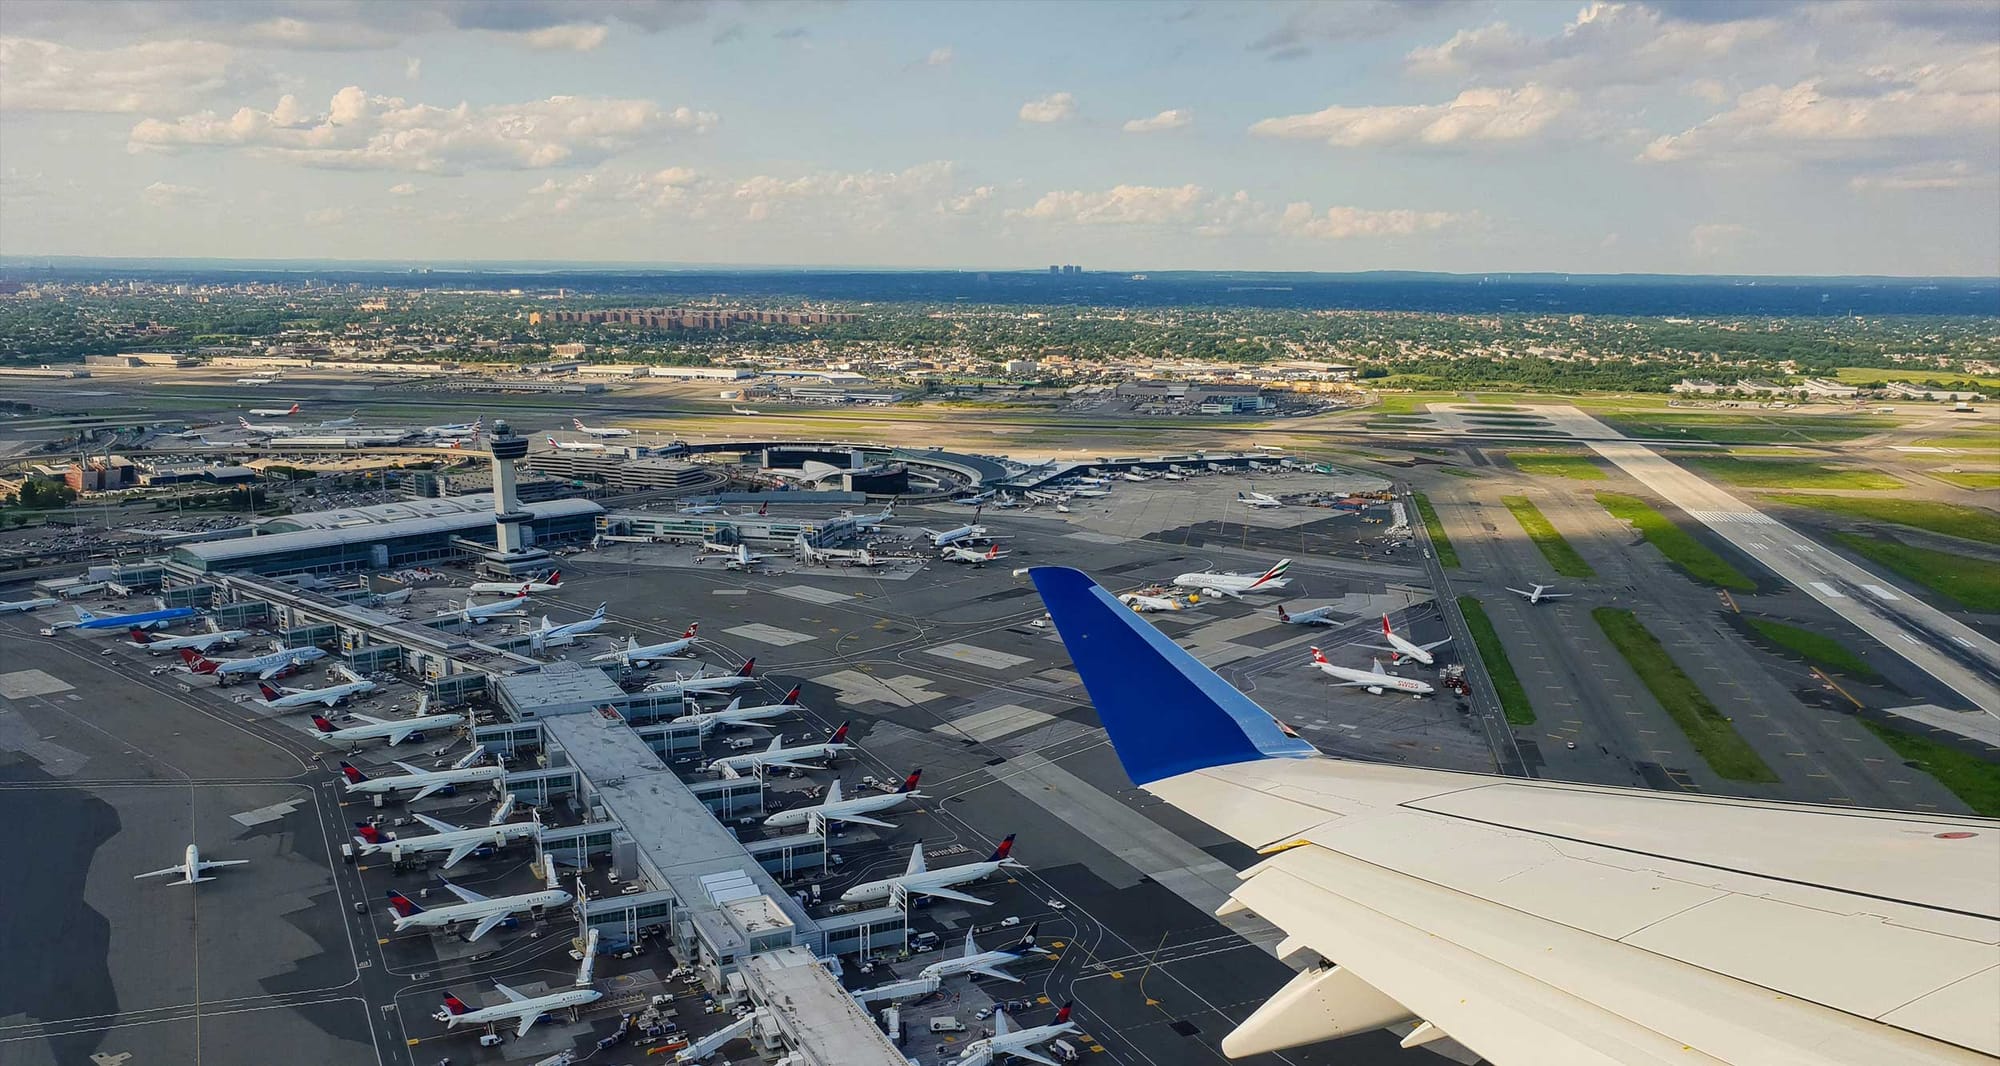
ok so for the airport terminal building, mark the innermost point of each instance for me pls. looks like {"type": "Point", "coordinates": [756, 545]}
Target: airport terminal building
{"type": "Point", "coordinates": [406, 533]}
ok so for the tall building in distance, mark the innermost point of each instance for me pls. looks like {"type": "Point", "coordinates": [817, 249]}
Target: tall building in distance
{"type": "Point", "coordinates": [512, 555]}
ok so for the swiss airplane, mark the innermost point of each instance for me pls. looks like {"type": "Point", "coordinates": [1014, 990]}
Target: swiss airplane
{"type": "Point", "coordinates": [36, 604]}
{"type": "Point", "coordinates": [920, 880]}
{"type": "Point", "coordinates": [1010, 1042]}
{"type": "Point", "coordinates": [278, 697]}
{"type": "Point", "coordinates": [984, 963]}
{"type": "Point", "coordinates": [1376, 681]}
{"type": "Point", "coordinates": [636, 654]}
{"type": "Point", "coordinates": [778, 755]}
{"type": "Point", "coordinates": [395, 731]}
{"type": "Point", "coordinates": [747, 717]}
{"type": "Point", "coordinates": [516, 588]}
{"type": "Point", "coordinates": [487, 913]}
{"type": "Point", "coordinates": [1317, 616]}
{"type": "Point", "coordinates": [142, 619]}
{"type": "Point", "coordinates": [1399, 647]}
{"type": "Point", "coordinates": [192, 867]}
{"type": "Point", "coordinates": [575, 445]}
{"type": "Point", "coordinates": [550, 632]}
{"type": "Point", "coordinates": [956, 554]}
{"type": "Point", "coordinates": [1258, 499]}
{"type": "Point", "coordinates": [457, 843]}
{"type": "Point", "coordinates": [201, 642]}
{"type": "Point", "coordinates": [477, 613]}
{"type": "Point", "coordinates": [426, 782]}
{"type": "Point", "coordinates": [275, 412]}
{"type": "Point", "coordinates": [946, 538]}
{"type": "Point", "coordinates": [522, 1010]}
{"type": "Point", "coordinates": [1538, 593]}
{"type": "Point", "coordinates": [856, 809]}
{"type": "Point", "coordinates": [606, 432]}
{"type": "Point", "coordinates": [1235, 585]}
{"type": "Point", "coordinates": [700, 683]}
{"type": "Point", "coordinates": [263, 667]}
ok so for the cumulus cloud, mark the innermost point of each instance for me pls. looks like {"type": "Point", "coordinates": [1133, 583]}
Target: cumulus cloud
{"type": "Point", "coordinates": [1054, 107]}
{"type": "Point", "coordinates": [1206, 213]}
{"type": "Point", "coordinates": [167, 194]}
{"type": "Point", "coordinates": [1947, 174]}
{"type": "Point", "coordinates": [1166, 120]}
{"type": "Point", "coordinates": [1606, 44]}
{"type": "Point", "coordinates": [1120, 205]}
{"type": "Point", "coordinates": [346, 24]}
{"type": "Point", "coordinates": [1714, 240]}
{"type": "Point", "coordinates": [1307, 25]}
{"type": "Point", "coordinates": [940, 57]}
{"type": "Point", "coordinates": [404, 189]}
{"type": "Point", "coordinates": [863, 199]}
{"type": "Point", "coordinates": [569, 37]}
{"type": "Point", "coordinates": [1346, 223]}
{"type": "Point", "coordinates": [1476, 115]}
{"type": "Point", "coordinates": [46, 76]}
{"type": "Point", "coordinates": [358, 131]}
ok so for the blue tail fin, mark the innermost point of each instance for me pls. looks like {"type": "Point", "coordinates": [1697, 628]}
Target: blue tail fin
{"type": "Point", "coordinates": [1166, 713]}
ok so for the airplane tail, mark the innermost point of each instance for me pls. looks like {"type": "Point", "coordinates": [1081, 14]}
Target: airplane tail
{"type": "Point", "coordinates": [1273, 573]}
{"type": "Point", "coordinates": [294, 410]}
{"type": "Point", "coordinates": [793, 695]}
{"type": "Point", "coordinates": [993, 552]}
{"type": "Point", "coordinates": [1386, 631]}
{"type": "Point", "coordinates": [1318, 655]}
{"type": "Point", "coordinates": [555, 578]}
{"type": "Point", "coordinates": [748, 666]}
{"type": "Point", "coordinates": [84, 616]}
{"type": "Point", "coordinates": [197, 663]}
{"type": "Point", "coordinates": [1005, 849]}
{"type": "Point", "coordinates": [838, 736]}
{"type": "Point", "coordinates": [1186, 719]}
{"type": "Point", "coordinates": [354, 777]}
{"type": "Point", "coordinates": [454, 1005]}
{"type": "Point", "coordinates": [404, 906]}
{"type": "Point", "coordinates": [139, 636]}
{"type": "Point", "coordinates": [269, 692]}
{"type": "Point", "coordinates": [366, 833]}
{"type": "Point", "coordinates": [599, 613]}
{"type": "Point", "coordinates": [577, 422]}
{"type": "Point", "coordinates": [910, 782]}
{"type": "Point", "coordinates": [1027, 941]}
{"type": "Point", "coordinates": [320, 723]}
{"type": "Point", "coordinates": [1282, 616]}
{"type": "Point", "coordinates": [1062, 1016]}
{"type": "Point", "coordinates": [692, 626]}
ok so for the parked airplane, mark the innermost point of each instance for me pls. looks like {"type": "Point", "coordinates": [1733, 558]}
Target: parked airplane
{"type": "Point", "coordinates": [456, 842]}
{"type": "Point", "coordinates": [956, 554]}
{"type": "Point", "coordinates": [1317, 616]}
{"type": "Point", "coordinates": [1258, 499]}
{"type": "Point", "coordinates": [477, 613]}
{"type": "Point", "coordinates": [985, 963]}
{"type": "Point", "coordinates": [568, 630]}
{"type": "Point", "coordinates": [574, 445]}
{"type": "Point", "coordinates": [790, 758]}
{"type": "Point", "coordinates": [278, 697]}
{"type": "Point", "coordinates": [843, 556]}
{"type": "Point", "coordinates": [394, 730]}
{"type": "Point", "coordinates": [700, 682]}
{"type": "Point", "coordinates": [1010, 1042]}
{"type": "Point", "coordinates": [1376, 680]}
{"type": "Point", "coordinates": [949, 537]}
{"type": "Point", "coordinates": [747, 717]}
{"type": "Point", "coordinates": [153, 645]}
{"type": "Point", "coordinates": [522, 1010]}
{"type": "Point", "coordinates": [463, 772]}
{"type": "Point", "coordinates": [1143, 603]}
{"type": "Point", "coordinates": [516, 588]}
{"type": "Point", "coordinates": [263, 667]}
{"type": "Point", "coordinates": [192, 867]}
{"type": "Point", "coordinates": [339, 423]}
{"type": "Point", "coordinates": [140, 620]}
{"type": "Point", "coordinates": [1134, 475]}
{"type": "Point", "coordinates": [734, 557]}
{"type": "Point", "coordinates": [605, 432]}
{"type": "Point", "coordinates": [1538, 593]}
{"type": "Point", "coordinates": [1235, 585]}
{"type": "Point", "coordinates": [272, 429]}
{"type": "Point", "coordinates": [457, 430]}
{"type": "Point", "coordinates": [1399, 647]}
{"type": "Point", "coordinates": [866, 522]}
{"type": "Point", "coordinates": [634, 654]}
{"type": "Point", "coordinates": [976, 500]}
{"type": "Point", "coordinates": [920, 880]}
{"type": "Point", "coordinates": [486, 912]}
{"type": "Point", "coordinates": [855, 809]}
{"type": "Point", "coordinates": [36, 604]}
{"type": "Point", "coordinates": [275, 412]}
{"type": "Point", "coordinates": [701, 508]}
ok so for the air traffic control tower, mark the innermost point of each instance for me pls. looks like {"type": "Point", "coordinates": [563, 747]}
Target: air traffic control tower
{"type": "Point", "coordinates": [513, 556]}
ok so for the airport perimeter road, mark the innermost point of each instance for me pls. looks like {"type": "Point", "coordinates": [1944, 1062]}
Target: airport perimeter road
{"type": "Point", "coordinates": [1940, 645]}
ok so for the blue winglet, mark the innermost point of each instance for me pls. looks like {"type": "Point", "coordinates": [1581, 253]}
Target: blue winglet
{"type": "Point", "coordinates": [1166, 713]}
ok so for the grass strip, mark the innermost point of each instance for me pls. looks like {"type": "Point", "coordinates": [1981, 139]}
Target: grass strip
{"type": "Point", "coordinates": [1971, 583]}
{"type": "Point", "coordinates": [1554, 548]}
{"type": "Point", "coordinates": [1714, 738]}
{"type": "Point", "coordinates": [1574, 467]}
{"type": "Point", "coordinates": [1513, 697]}
{"type": "Point", "coordinates": [1969, 777]}
{"type": "Point", "coordinates": [1440, 543]}
{"type": "Point", "coordinates": [1789, 474]}
{"type": "Point", "coordinates": [1677, 544]}
{"type": "Point", "coordinates": [1950, 519]}
{"type": "Point", "coordinates": [1817, 649]}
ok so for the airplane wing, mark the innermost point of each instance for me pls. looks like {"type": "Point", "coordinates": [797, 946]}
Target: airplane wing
{"type": "Point", "coordinates": [161, 873]}
{"type": "Point", "coordinates": [370, 720]}
{"type": "Point", "coordinates": [1380, 647]}
{"type": "Point", "coordinates": [528, 1021]}
{"type": "Point", "coordinates": [860, 820]}
{"type": "Point", "coordinates": [270, 672]}
{"type": "Point", "coordinates": [210, 864]}
{"type": "Point", "coordinates": [1542, 922]}
{"type": "Point", "coordinates": [487, 925]}
{"type": "Point", "coordinates": [951, 894]}
{"type": "Point", "coordinates": [1031, 1056]}
{"type": "Point", "coordinates": [424, 792]}
{"type": "Point", "coordinates": [793, 765]}
{"type": "Point", "coordinates": [437, 825]}
{"type": "Point", "coordinates": [992, 971]}
{"type": "Point", "coordinates": [397, 736]}
{"type": "Point", "coordinates": [415, 771]}
{"type": "Point", "coordinates": [461, 851]}
{"type": "Point", "coordinates": [463, 893]}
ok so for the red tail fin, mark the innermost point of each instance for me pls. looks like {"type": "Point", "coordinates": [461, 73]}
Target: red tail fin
{"type": "Point", "coordinates": [993, 552]}
{"type": "Point", "coordinates": [139, 637]}
{"type": "Point", "coordinates": [1318, 655]}
{"type": "Point", "coordinates": [748, 666]}
{"type": "Point", "coordinates": [555, 578]}
{"type": "Point", "coordinates": [196, 663]}
{"type": "Point", "coordinates": [366, 833]}
{"type": "Point", "coordinates": [1385, 625]}
{"type": "Point", "coordinates": [402, 904]}
{"type": "Point", "coordinates": [1282, 616]}
{"type": "Point", "coordinates": [1062, 1015]}
{"type": "Point", "coordinates": [453, 1004]}
{"type": "Point", "coordinates": [269, 692]}
{"type": "Point", "coordinates": [692, 626]}
{"type": "Point", "coordinates": [910, 782]}
{"type": "Point", "coordinates": [1006, 847]}
{"type": "Point", "coordinates": [839, 735]}
{"type": "Point", "coordinates": [354, 777]}
{"type": "Point", "coordinates": [320, 722]}
{"type": "Point", "coordinates": [793, 695]}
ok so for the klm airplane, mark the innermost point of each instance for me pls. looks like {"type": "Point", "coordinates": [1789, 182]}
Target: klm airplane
{"type": "Point", "coordinates": [143, 620]}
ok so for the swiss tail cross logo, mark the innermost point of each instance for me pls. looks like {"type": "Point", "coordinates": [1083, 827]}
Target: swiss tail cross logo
{"type": "Point", "coordinates": [1318, 656]}
{"type": "Point", "coordinates": [692, 626]}
{"type": "Point", "coordinates": [1273, 573]}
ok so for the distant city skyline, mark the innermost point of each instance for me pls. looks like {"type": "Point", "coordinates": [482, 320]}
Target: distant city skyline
{"type": "Point", "coordinates": [1467, 136]}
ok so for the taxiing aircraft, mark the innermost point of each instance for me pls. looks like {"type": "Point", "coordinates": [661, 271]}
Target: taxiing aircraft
{"type": "Point", "coordinates": [279, 697]}
{"type": "Point", "coordinates": [263, 667]}
{"type": "Point", "coordinates": [1317, 616]}
{"type": "Point", "coordinates": [487, 913]}
{"type": "Point", "coordinates": [701, 508]}
{"type": "Point", "coordinates": [36, 604]}
{"type": "Point", "coordinates": [920, 880]}
{"type": "Point", "coordinates": [984, 963]}
{"type": "Point", "coordinates": [1376, 680]}
{"type": "Point", "coordinates": [275, 412]}
{"type": "Point", "coordinates": [1258, 499]}
{"type": "Point", "coordinates": [516, 588]}
{"type": "Point", "coordinates": [853, 809]}
{"type": "Point", "coordinates": [595, 432]}
{"type": "Point", "coordinates": [141, 620]}
{"type": "Point", "coordinates": [550, 632]}
{"type": "Point", "coordinates": [1398, 647]}
{"type": "Point", "coordinates": [748, 717]}
{"type": "Point", "coordinates": [192, 867]}
{"type": "Point", "coordinates": [701, 682]}
{"type": "Point", "coordinates": [1538, 593]}
{"type": "Point", "coordinates": [1235, 585]}
{"type": "Point", "coordinates": [522, 1010]}
{"type": "Point", "coordinates": [427, 782]}
{"type": "Point", "coordinates": [790, 758]}
{"type": "Point", "coordinates": [201, 642]}
{"type": "Point", "coordinates": [477, 613]}
{"type": "Point", "coordinates": [575, 445]}
{"type": "Point", "coordinates": [635, 654]}
{"type": "Point", "coordinates": [456, 842]}
{"type": "Point", "coordinates": [956, 554]}
{"type": "Point", "coordinates": [394, 730]}
{"type": "Point", "coordinates": [1009, 1042]}
{"type": "Point", "coordinates": [735, 410]}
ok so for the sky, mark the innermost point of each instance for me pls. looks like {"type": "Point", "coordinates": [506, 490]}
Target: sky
{"type": "Point", "coordinates": [1674, 136]}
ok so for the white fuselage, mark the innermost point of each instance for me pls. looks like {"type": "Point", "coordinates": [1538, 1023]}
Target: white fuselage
{"type": "Point", "coordinates": [470, 775]}
{"type": "Point", "coordinates": [444, 917]}
{"type": "Point", "coordinates": [569, 629]}
{"type": "Point", "coordinates": [325, 697]}
{"type": "Point", "coordinates": [832, 812]}
{"type": "Point", "coordinates": [693, 686]}
{"type": "Point", "coordinates": [915, 884]}
{"type": "Point", "coordinates": [1409, 650]}
{"type": "Point", "coordinates": [707, 720]}
{"type": "Point", "coordinates": [1150, 603]}
{"type": "Point", "coordinates": [1318, 616]}
{"type": "Point", "coordinates": [36, 604]}
{"type": "Point", "coordinates": [276, 660]}
{"type": "Point", "coordinates": [752, 759]}
{"type": "Point", "coordinates": [478, 612]}
{"type": "Point", "coordinates": [994, 1048]}
{"type": "Point", "coordinates": [1377, 683]}
{"type": "Point", "coordinates": [953, 536]}
{"type": "Point", "coordinates": [510, 588]}
{"type": "Point", "coordinates": [526, 1008]}
{"type": "Point", "coordinates": [646, 653]}
{"type": "Point", "coordinates": [984, 961]}
{"type": "Point", "coordinates": [198, 641]}
{"type": "Point", "coordinates": [496, 835]}
{"type": "Point", "coordinates": [1231, 584]}
{"type": "Point", "coordinates": [380, 730]}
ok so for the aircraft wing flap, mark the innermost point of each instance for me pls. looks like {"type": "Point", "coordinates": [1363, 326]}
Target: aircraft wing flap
{"type": "Point", "coordinates": [459, 853]}
{"type": "Point", "coordinates": [952, 894]}
{"type": "Point", "coordinates": [437, 825]}
{"type": "Point", "coordinates": [994, 971]}
{"type": "Point", "coordinates": [859, 819]}
{"type": "Point", "coordinates": [463, 892]}
{"type": "Point", "coordinates": [487, 925]}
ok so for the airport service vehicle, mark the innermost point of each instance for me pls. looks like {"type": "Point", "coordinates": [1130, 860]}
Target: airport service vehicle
{"type": "Point", "coordinates": [1317, 616]}
{"type": "Point", "coordinates": [1009, 1042]}
{"type": "Point", "coordinates": [569, 630]}
{"type": "Point", "coordinates": [36, 604]}
{"type": "Point", "coordinates": [455, 842]}
{"type": "Point", "coordinates": [275, 412]}
{"type": "Point", "coordinates": [1258, 499]}
{"type": "Point", "coordinates": [779, 755]}
{"type": "Point", "coordinates": [856, 809]}
{"type": "Point", "coordinates": [973, 556]}
{"type": "Point", "coordinates": [920, 880]}
{"type": "Point", "coordinates": [1399, 647]}
{"type": "Point", "coordinates": [608, 431]}
{"type": "Point", "coordinates": [201, 642]}
{"type": "Point", "coordinates": [748, 717]}
{"type": "Point", "coordinates": [487, 913]}
{"type": "Point", "coordinates": [516, 588]}
{"type": "Point", "coordinates": [477, 613]}
{"type": "Point", "coordinates": [636, 654]}
{"type": "Point", "coordinates": [948, 537]}
{"type": "Point", "coordinates": [575, 445]}
{"type": "Point", "coordinates": [278, 697]}
{"type": "Point", "coordinates": [699, 683]}
{"type": "Point", "coordinates": [1144, 603]}
{"type": "Point", "coordinates": [1235, 585]}
{"type": "Point", "coordinates": [395, 730]}
{"type": "Point", "coordinates": [985, 963]}
{"type": "Point", "coordinates": [1538, 593]}
{"type": "Point", "coordinates": [523, 1011]}
{"type": "Point", "coordinates": [425, 782]}
{"type": "Point", "coordinates": [262, 667]}
{"type": "Point", "coordinates": [734, 557]}
{"type": "Point", "coordinates": [1376, 680]}
{"type": "Point", "coordinates": [140, 620]}
{"type": "Point", "coordinates": [192, 867]}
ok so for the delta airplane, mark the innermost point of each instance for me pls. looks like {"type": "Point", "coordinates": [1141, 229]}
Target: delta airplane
{"type": "Point", "coordinates": [516, 588]}
{"type": "Point", "coordinates": [956, 554]}
{"type": "Point", "coordinates": [635, 654]}
{"type": "Point", "coordinates": [524, 1011]}
{"type": "Point", "coordinates": [568, 630]}
{"type": "Point", "coordinates": [1399, 647]}
{"type": "Point", "coordinates": [920, 880]}
{"type": "Point", "coordinates": [36, 604]}
{"type": "Point", "coordinates": [264, 667]}
{"type": "Point", "coordinates": [1235, 585]}
{"type": "Point", "coordinates": [985, 963]}
{"type": "Point", "coordinates": [192, 867]}
{"type": "Point", "coordinates": [1010, 1042]}
{"type": "Point", "coordinates": [949, 537]}
{"type": "Point", "coordinates": [278, 697]}
{"type": "Point", "coordinates": [1143, 603]}
{"type": "Point", "coordinates": [574, 445]}
{"type": "Point", "coordinates": [487, 912]}
{"type": "Point", "coordinates": [607, 432]}
{"type": "Point", "coordinates": [1317, 616]}
{"type": "Point", "coordinates": [457, 843]}
{"type": "Point", "coordinates": [856, 810]}
{"type": "Point", "coordinates": [790, 758]}
{"type": "Point", "coordinates": [201, 642]}
{"type": "Point", "coordinates": [1376, 680]}
{"type": "Point", "coordinates": [700, 682]}
{"type": "Point", "coordinates": [426, 782]}
{"type": "Point", "coordinates": [1258, 499]}
{"type": "Point", "coordinates": [142, 620]}
{"type": "Point", "coordinates": [1449, 898]}
{"type": "Point", "coordinates": [477, 613]}
{"type": "Point", "coordinates": [395, 730]}
{"type": "Point", "coordinates": [1537, 593]}
{"type": "Point", "coordinates": [275, 412]}
{"type": "Point", "coordinates": [747, 717]}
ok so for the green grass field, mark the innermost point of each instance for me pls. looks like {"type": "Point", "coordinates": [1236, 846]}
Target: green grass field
{"type": "Point", "coordinates": [1930, 379]}
{"type": "Point", "coordinates": [1950, 519]}
{"type": "Point", "coordinates": [1788, 474]}
{"type": "Point", "coordinates": [1554, 548]}
{"type": "Point", "coordinates": [1460, 471]}
{"type": "Point", "coordinates": [1714, 738]}
{"type": "Point", "coordinates": [1971, 442]}
{"type": "Point", "coordinates": [1815, 648]}
{"type": "Point", "coordinates": [1677, 544]}
{"type": "Point", "coordinates": [1441, 544]}
{"type": "Point", "coordinates": [1970, 479]}
{"type": "Point", "coordinates": [1969, 777]}
{"type": "Point", "coordinates": [1971, 583]}
{"type": "Point", "coordinates": [1513, 697]}
{"type": "Point", "coordinates": [1541, 464]}
{"type": "Point", "coordinates": [1746, 428]}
